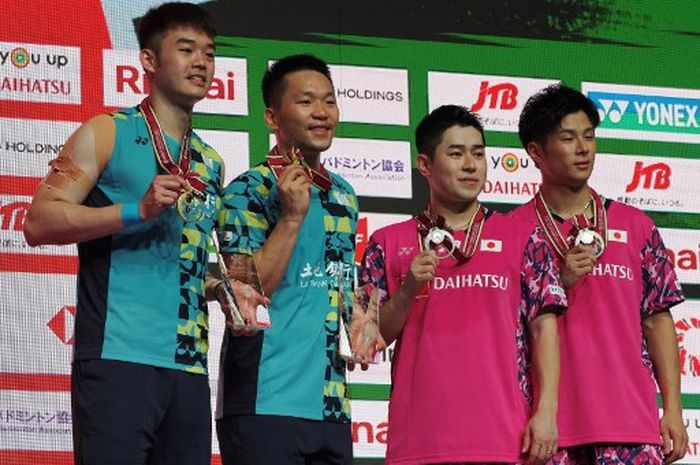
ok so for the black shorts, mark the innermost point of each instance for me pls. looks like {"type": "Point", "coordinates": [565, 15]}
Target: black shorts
{"type": "Point", "coordinates": [128, 413]}
{"type": "Point", "coordinates": [281, 440]}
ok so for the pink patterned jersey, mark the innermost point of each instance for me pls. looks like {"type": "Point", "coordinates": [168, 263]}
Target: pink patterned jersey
{"type": "Point", "coordinates": [607, 392]}
{"type": "Point", "coordinates": [460, 385]}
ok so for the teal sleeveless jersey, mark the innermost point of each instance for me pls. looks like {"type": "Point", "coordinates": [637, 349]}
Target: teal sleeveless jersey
{"type": "Point", "coordinates": [293, 368]}
{"type": "Point", "coordinates": [141, 291]}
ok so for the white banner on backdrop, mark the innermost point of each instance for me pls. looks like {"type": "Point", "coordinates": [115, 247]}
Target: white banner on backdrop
{"type": "Point", "coordinates": [498, 99]}
{"type": "Point", "coordinates": [692, 422]}
{"type": "Point", "coordinates": [649, 183]}
{"type": "Point", "coordinates": [125, 83]}
{"type": "Point", "coordinates": [38, 327]}
{"type": "Point", "coordinates": [646, 113]}
{"type": "Point", "coordinates": [36, 421]}
{"type": "Point", "coordinates": [374, 168]}
{"type": "Point", "coordinates": [369, 428]}
{"type": "Point", "coordinates": [27, 146]}
{"type": "Point", "coordinates": [684, 248]}
{"type": "Point", "coordinates": [13, 210]}
{"type": "Point", "coordinates": [512, 176]}
{"type": "Point", "coordinates": [39, 73]}
{"type": "Point", "coordinates": [371, 95]}
{"type": "Point", "coordinates": [687, 319]}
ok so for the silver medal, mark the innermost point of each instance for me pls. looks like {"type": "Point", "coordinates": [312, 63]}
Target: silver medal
{"type": "Point", "coordinates": [434, 240]}
{"type": "Point", "coordinates": [591, 239]}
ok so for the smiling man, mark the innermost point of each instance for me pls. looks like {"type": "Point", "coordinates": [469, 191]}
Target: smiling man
{"type": "Point", "coordinates": [140, 193]}
{"type": "Point", "coordinates": [618, 334]}
{"type": "Point", "coordinates": [471, 299]}
{"type": "Point", "coordinates": [282, 396]}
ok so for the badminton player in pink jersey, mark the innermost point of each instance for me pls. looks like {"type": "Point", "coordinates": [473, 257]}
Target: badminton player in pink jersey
{"type": "Point", "coordinates": [471, 299]}
{"type": "Point", "coordinates": [617, 335]}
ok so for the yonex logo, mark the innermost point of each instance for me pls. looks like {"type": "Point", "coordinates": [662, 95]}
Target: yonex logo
{"type": "Point", "coordinates": [614, 110]}
{"type": "Point", "coordinates": [404, 251]}
{"type": "Point", "coordinates": [654, 112]}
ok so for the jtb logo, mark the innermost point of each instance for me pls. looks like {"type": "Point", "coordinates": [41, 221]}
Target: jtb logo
{"type": "Point", "coordinates": [13, 214]}
{"type": "Point", "coordinates": [507, 92]}
{"type": "Point", "coordinates": [656, 176]}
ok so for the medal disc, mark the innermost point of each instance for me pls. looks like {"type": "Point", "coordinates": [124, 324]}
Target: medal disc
{"type": "Point", "coordinates": [190, 207]}
{"type": "Point", "coordinates": [436, 238]}
{"type": "Point", "coordinates": [592, 239]}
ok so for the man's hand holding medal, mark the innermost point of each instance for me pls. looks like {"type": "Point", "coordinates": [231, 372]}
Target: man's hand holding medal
{"type": "Point", "coordinates": [579, 261]}
{"type": "Point", "coordinates": [586, 244]}
{"type": "Point", "coordinates": [163, 193]}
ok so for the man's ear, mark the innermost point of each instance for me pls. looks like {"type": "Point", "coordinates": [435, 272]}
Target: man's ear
{"type": "Point", "coordinates": [424, 165]}
{"type": "Point", "coordinates": [536, 151]}
{"type": "Point", "coordinates": [148, 60]}
{"type": "Point", "coordinates": [271, 118]}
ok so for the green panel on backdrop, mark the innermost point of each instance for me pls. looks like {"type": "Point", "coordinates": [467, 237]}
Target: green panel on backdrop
{"type": "Point", "coordinates": [381, 392]}
{"type": "Point", "coordinates": [635, 43]}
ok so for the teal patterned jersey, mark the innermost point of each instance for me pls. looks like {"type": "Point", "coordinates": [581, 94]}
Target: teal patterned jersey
{"type": "Point", "coordinates": [292, 368]}
{"type": "Point", "coordinates": [141, 291]}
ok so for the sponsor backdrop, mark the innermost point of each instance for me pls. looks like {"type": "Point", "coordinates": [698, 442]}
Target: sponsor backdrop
{"type": "Point", "coordinates": [62, 62]}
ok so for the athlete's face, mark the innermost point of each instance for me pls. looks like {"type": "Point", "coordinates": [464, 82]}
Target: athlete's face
{"type": "Point", "coordinates": [567, 156]}
{"type": "Point", "coordinates": [183, 67]}
{"type": "Point", "coordinates": [306, 114]}
{"type": "Point", "coordinates": [457, 171]}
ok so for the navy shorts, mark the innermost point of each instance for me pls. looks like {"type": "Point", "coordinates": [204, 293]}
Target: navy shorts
{"type": "Point", "coordinates": [133, 414]}
{"type": "Point", "coordinates": [281, 440]}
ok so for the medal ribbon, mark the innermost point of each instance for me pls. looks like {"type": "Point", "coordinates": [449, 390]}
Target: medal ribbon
{"type": "Point", "coordinates": [427, 221]}
{"type": "Point", "coordinates": [277, 161]}
{"type": "Point", "coordinates": [160, 147]}
{"type": "Point", "coordinates": [551, 230]}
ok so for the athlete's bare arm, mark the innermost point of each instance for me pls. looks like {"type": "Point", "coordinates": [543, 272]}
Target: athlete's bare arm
{"type": "Point", "coordinates": [662, 343]}
{"type": "Point", "coordinates": [394, 312]}
{"type": "Point", "coordinates": [56, 215]}
{"type": "Point", "coordinates": [272, 259]}
{"type": "Point", "coordinates": [540, 438]}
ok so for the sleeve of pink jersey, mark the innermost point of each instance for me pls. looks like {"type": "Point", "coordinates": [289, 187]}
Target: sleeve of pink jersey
{"type": "Point", "coordinates": [372, 273]}
{"type": "Point", "coordinates": [660, 287]}
{"type": "Point", "coordinates": [541, 288]}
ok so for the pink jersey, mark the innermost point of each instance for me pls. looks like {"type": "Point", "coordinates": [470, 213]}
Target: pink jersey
{"type": "Point", "coordinates": [460, 385]}
{"type": "Point", "coordinates": [607, 391]}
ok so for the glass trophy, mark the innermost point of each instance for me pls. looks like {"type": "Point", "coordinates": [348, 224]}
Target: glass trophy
{"type": "Point", "coordinates": [363, 336]}
{"type": "Point", "coordinates": [241, 268]}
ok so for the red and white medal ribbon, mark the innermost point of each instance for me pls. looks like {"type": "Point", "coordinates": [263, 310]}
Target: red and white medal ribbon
{"type": "Point", "coordinates": [165, 159]}
{"type": "Point", "coordinates": [434, 231]}
{"type": "Point", "coordinates": [592, 233]}
{"type": "Point", "coordinates": [278, 161]}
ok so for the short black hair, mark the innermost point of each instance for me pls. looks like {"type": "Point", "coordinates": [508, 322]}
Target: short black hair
{"type": "Point", "coordinates": [273, 83]}
{"type": "Point", "coordinates": [159, 20]}
{"type": "Point", "coordinates": [431, 128]}
{"type": "Point", "coordinates": [543, 112]}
